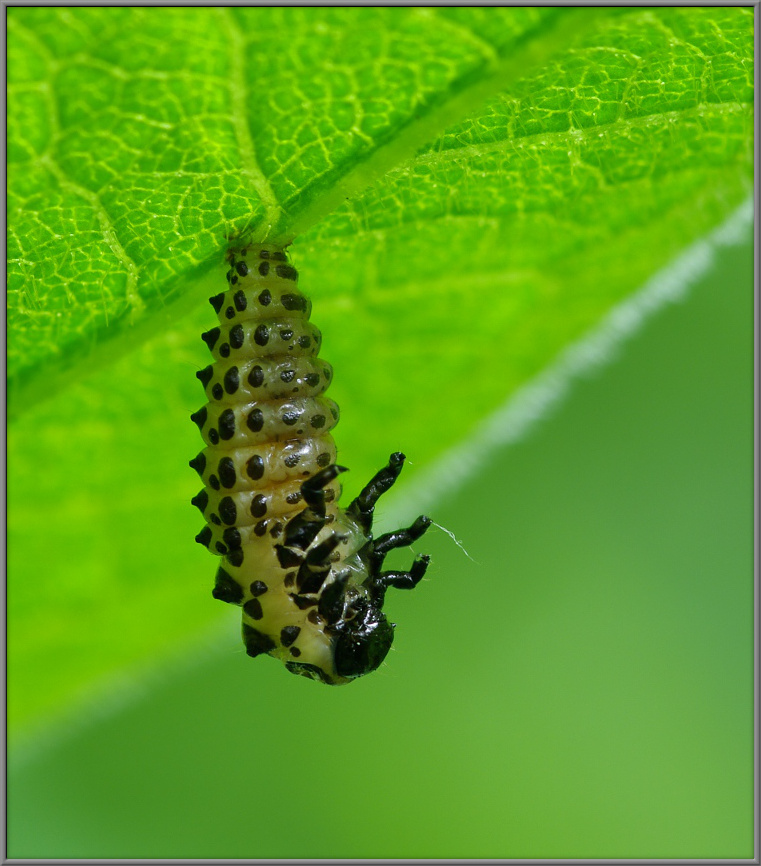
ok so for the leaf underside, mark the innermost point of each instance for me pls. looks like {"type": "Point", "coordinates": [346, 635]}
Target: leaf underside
{"type": "Point", "coordinates": [467, 191]}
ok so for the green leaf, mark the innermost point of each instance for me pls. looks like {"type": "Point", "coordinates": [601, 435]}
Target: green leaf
{"type": "Point", "coordinates": [467, 191]}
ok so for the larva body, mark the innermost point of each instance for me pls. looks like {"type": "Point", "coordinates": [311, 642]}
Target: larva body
{"type": "Point", "coordinates": [306, 572]}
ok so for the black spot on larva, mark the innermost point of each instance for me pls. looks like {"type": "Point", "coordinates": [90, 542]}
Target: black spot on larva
{"type": "Point", "coordinates": [255, 420]}
{"type": "Point", "coordinates": [313, 616]}
{"type": "Point", "coordinates": [288, 375]}
{"type": "Point", "coordinates": [232, 380]}
{"type": "Point", "coordinates": [323, 459]}
{"type": "Point", "coordinates": [265, 298]}
{"type": "Point", "coordinates": [213, 436]}
{"type": "Point", "coordinates": [226, 588]}
{"type": "Point", "coordinates": [216, 392]}
{"type": "Point", "coordinates": [217, 301]}
{"type": "Point", "coordinates": [292, 460]}
{"type": "Point", "coordinates": [204, 536]}
{"type": "Point", "coordinates": [228, 276]}
{"type": "Point", "coordinates": [220, 548]}
{"type": "Point", "coordinates": [231, 538]}
{"type": "Point", "coordinates": [286, 335]}
{"type": "Point", "coordinates": [303, 602]}
{"type": "Point", "coordinates": [286, 272]}
{"type": "Point", "coordinates": [253, 608]}
{"type": "Point", "coordinates": [259, 506]}
{"type": "Point", "coordinates": [293, 498]}
{"type": "Point", "coordinates": [198, 463]}
{"type": "Point", "coordinates": [312, 379]}
{"type": "Point", "coordinates": [227, 424]}
{"type": "Point", "coordinates": [330, 495]}
{"type": "Point", "coordinates": [227, 510]}
{"type": "Point", "coordinates": [317, 421]}
{"type": "Point", "coordinates": [305, 342]}
{"type": "Point", "coordinates": [287, 557]}
{"type": "Point", "coordinates": [199, 417]}
{"type": "Point", "coordinates": [229, 313]}
{"type": "Point", "coordinates": [255, 467]}
{"type": "Point", "coordinates": [258, 587]}
{"type": "Point", "coordinates": [290, 418]}
{"type": "Point", "coordinates": [214, 519]}
{"type": "Point", "coordinates": [256, 376]}
{"type": "Point", "coordinates": [239, 299]}
{"type": "Point", "coordinates": [226, 471]}
{"type": "Point", "coordinates": [262, 335]}
{"type": "Point", "coordinates": [256, 642]}
{"type": "Point", "coordinates": [261, 528]}
{"type": "Point", "coordinates": [332, 600]}
{"type": "Point", "coordinates": [295, 651]}
{"type": "Point", "coordinates": [236, 336]}
{"type": "Point", "coordinates": [224, 350]}
{"type": "Point", "coordinates": [214, 482]}
{"type": "Point", "coordinates": [274, 254]}
{"type": "Point", "coordinates": [205, 375]}
{"type": "Point", "coordinates": [241, 268]}
{"type": "Point", "coordinates": [211, 337]}
{"type": "Point", "coordinates": [200, 500]}
{"type": "Point", "coordinates": [327, 373]}
{"type": "Point", "coordinates": [289, 634]}
{"type": "Point", "coordinates": [293, 302]}
{"type": "Point", "coordinates": [290, 578]}
{"type": "Point", "coordinates": [310, 582]}
{"type": "Point", "coordinates": [235, 557]}
{"type": "Point", "coordinates": [264, 268]}
{"type": "Point", "coordinates": [277, 530]}
{"type": "Point", "coordinates": [334, 412]}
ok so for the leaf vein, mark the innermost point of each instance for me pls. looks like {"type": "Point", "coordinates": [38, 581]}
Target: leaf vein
{"type": "Point", "coordinates": [239, 102]}
{"type": "Point", "coordinates": [575, 134]}
{"type": "Point", "coordinates": [108, 228]}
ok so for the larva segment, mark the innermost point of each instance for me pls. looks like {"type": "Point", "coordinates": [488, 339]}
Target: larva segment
{"type": "Point", "coordinates": [258, 421]}
{"type": "Point", "coordinates": [258, 467]}
{"type": "Point", "coordinates": [306, 573]}
{"type": "Point", "coordinates": [280, 337]}
{"type": "Point", "coordinates": [265, 379]}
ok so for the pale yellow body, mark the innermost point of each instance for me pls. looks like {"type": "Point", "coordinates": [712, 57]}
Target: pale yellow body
{"type": "Point", "coordinates": [267, 429]}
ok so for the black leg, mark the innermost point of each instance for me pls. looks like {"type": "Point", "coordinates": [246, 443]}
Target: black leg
{"type": "Point", "coordinates": [316, 565]}
{"type": "Point", "coordinates": [397, 579]}
{"type": "Point", "coordinates": [401, 538]}
{"type": "Point", "coordinates": [313, 489]}
{"type": "Point", "coordinates": [362, 507]}
{"type": "Point", "coordinates": [301, 530]}
{"type": "Point", "coordinates": [404, 579]}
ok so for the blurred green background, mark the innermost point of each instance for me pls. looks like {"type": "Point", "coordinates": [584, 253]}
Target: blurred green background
{"type": "Point", "coordinates": [584, 691]}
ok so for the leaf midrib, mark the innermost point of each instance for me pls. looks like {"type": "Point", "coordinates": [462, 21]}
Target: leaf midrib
{"type": "Point", "coordinates": [240, 119]}
{"type": "Point", "coordinates": [464, 97]}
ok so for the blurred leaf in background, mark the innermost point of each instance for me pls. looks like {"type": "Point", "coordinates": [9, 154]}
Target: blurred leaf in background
{"type": "Point", "coordinates": [467, 190]}
{"type": "Point", "coordinates": [583, 689]}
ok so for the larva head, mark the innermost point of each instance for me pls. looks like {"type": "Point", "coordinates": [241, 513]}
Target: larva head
{"type": "Point", "coordinates": [363, 644]}
{"type": "Point", "coordinates": [355, 646]}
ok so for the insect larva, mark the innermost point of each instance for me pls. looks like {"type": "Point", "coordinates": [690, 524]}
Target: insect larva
{"type": "Point", "coordinates": [307, 573]}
